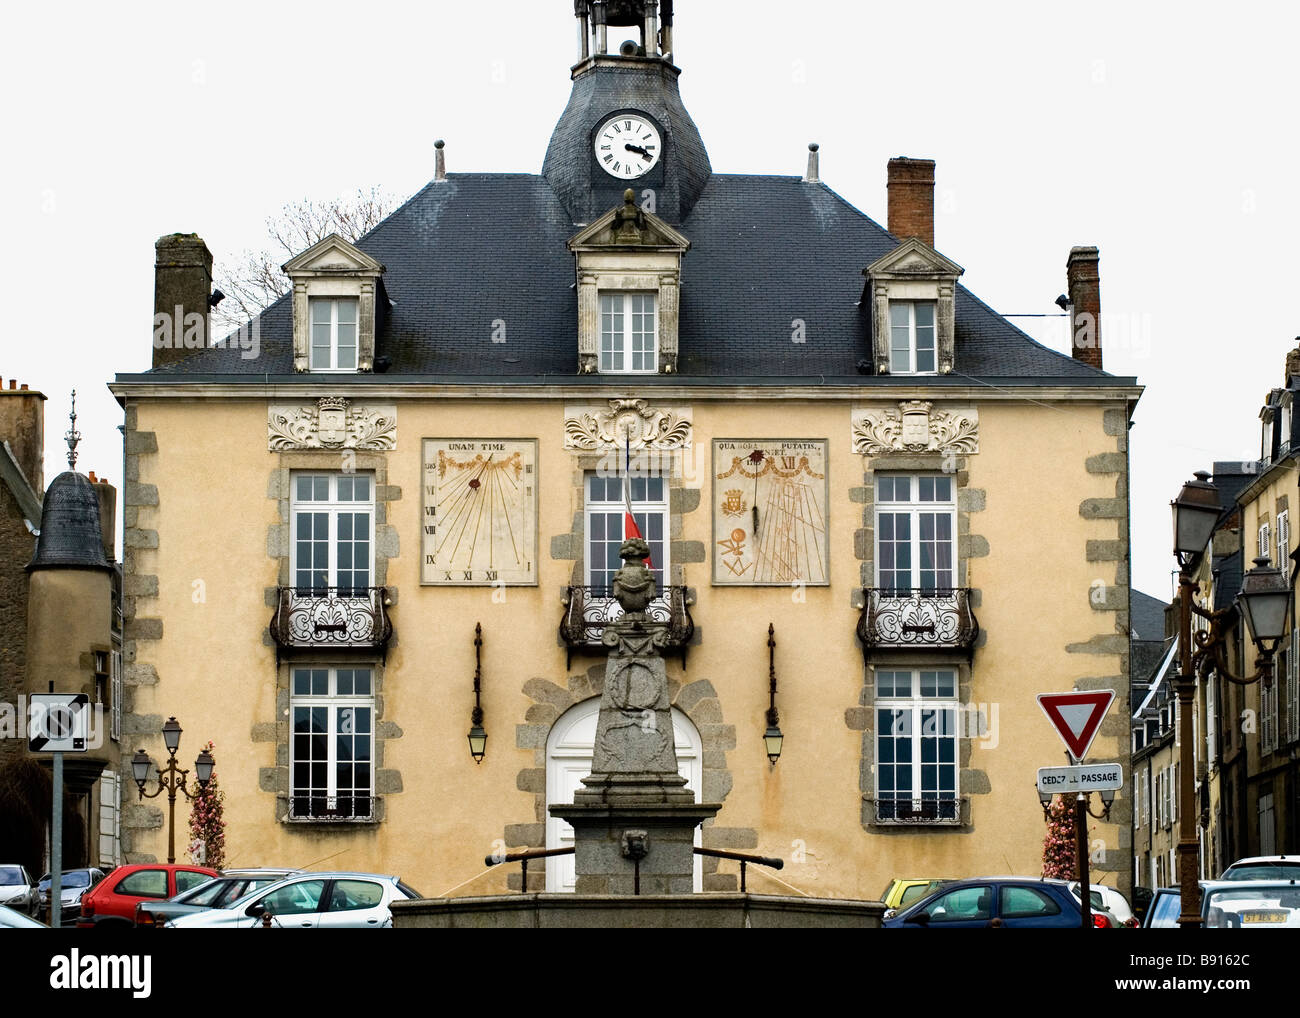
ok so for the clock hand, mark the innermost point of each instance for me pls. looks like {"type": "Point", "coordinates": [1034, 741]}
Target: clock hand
{"type": "Point", "coordinates": [637, 149]}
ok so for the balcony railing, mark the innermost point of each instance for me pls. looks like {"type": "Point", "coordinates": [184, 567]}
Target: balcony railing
{"type": "Point", "coordinates": [588, 610]}
{"type": "Point", "coordinates": [937, 811]}
{"type": "Point", "coordinates": [305, 806]}
{"type": "Point", "coordinates": [331, 617]}
{"type": "Point", "coordinates": [899, 619]}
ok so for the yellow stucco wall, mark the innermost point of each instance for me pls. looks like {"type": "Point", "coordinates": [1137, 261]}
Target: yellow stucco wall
{"type": "Point", "coordinates": [217, 673]}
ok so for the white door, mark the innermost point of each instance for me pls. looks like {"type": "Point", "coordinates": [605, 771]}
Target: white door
{"type": "Point", "coordinates": [568, 761]}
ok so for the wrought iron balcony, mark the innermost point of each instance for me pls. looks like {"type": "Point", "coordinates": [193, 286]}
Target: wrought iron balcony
{"type": "Point", "coordinates": [325, 617]}
{"type": "Point", "coordinates": [938, 811]}
{"type": "Point", "coordinates": [338, 809]}
{"type": "Point", "coordinates": [902, 619]}
{"type": "Point", "coordinates": [588, 610]}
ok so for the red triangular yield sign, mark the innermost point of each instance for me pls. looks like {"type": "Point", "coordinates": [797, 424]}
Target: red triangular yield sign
{"type": "Point", "coordinates": [1077, 717]}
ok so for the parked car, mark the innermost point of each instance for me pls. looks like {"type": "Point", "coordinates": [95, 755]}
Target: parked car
{"type": "Point", "coordinates": [217, 893]}
{"type": "Point", "coordinates": [18, 889]}
{"type": "Point", "coordinates": [309, 900]}
{"type": "Point", "coordinates": [1109, 900]}
{"type": "Point", "coordinates": [1264, 867]}
{"type": "Point", "coordinates": [10, 919]}
{"type": "Point", "coordinates": [903, 892]}
{"type": "Point", "coordinates": [1165, 908]}
{"type": "Point", "coordinates": [1009, 902]}
{"type": "Point", "coordinates": [112, 901]}
{"type": "Point", "coordinates": [73, 884]}
{"type": "Point", "coordinates": [1251, 904]}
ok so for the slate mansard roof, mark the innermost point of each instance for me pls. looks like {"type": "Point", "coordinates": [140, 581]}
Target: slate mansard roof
{"type": "Point", "coordinates": [476, 250]}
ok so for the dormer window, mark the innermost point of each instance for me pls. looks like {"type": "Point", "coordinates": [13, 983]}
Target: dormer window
{"type": "Point", "coordinates": [628, 333]}
{"type": "Point", "coordinates": [912, 342]}
{"type": "Point", "coordinates": [333, 333]}
{"type": "Point", "coordinates": [629, 267]}
{"type": "Point", "coordinates": [913, 319]}
{"type": "Point", "coordinates": [339, 306]}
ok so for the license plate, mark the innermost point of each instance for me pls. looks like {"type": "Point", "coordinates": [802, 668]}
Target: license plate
{"type": "Point", "coordinates": [1249, 918]}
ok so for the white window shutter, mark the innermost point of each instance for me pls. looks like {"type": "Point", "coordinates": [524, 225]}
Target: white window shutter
{"type": "Point", "coordinates": [115, 695]}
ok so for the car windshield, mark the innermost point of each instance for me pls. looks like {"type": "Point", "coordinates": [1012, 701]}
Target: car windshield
{"type": "Point", "coordinates": [75, 878]}
{"type": "Point", "coordinates": [11, 875]}
{"type": "Point", "coordinates": [204, 894]}
{"type": "Point", "coordinates": [1263, 871]}
{"type": "Point", "coordinates": [1237, 907]}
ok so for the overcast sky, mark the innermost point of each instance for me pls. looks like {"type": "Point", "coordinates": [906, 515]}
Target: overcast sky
{"type": "Point", "coordinates": [1165, 134]}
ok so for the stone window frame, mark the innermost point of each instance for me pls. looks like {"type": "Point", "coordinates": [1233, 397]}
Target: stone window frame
{"type": "Point", "coordinates": [970, 501]}
{"type": "Point", "coordinates": [912, 272]}
{"type": "Point", "coordinates": [276, 779]}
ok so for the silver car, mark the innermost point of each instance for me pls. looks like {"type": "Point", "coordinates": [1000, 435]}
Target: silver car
{"type": "Point", "coordinates": [336, 900]}
{"type": "Point", "coordinates": [18, 889]}
{"type": "Point", "coordinates": [72, 885]}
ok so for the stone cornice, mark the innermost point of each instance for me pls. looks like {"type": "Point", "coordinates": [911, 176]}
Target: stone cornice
{"type": "Point", "coordinates": [290, 388]}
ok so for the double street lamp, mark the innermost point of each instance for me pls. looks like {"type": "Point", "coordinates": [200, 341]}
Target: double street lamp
{"type": "Point", "coordinates": [1265, 603]}
{"type": "Point", "coordinates": [171, 778]}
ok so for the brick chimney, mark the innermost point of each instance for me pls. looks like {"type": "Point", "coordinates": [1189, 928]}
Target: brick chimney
{"type": "Point", "coordinates": [1085, 304]}
{"type": "Point", "coordinates": [22, 425]}
{"type": "Point", "coordinates": [911, 199]}
{"type": "Point", "coordinates": [182, 283]}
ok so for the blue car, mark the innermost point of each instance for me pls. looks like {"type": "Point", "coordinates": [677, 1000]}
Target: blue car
{"type": "Point", "coordinates": [992, 902]}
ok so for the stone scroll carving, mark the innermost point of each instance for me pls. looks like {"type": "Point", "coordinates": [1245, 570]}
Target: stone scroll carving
{"type": "Point", "coordinates": [332, 423]}
{"type": "Point", "coordinates": [626, 420]}
{"type": "Point", "coordinates": [916, 426]}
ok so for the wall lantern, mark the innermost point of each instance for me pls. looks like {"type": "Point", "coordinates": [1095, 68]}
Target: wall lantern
{"type": "Point", "coordinates": [772, 738]}
{"type": "Point", "coordinates": [477, 736]}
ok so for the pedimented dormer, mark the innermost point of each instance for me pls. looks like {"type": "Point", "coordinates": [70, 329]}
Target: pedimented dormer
{"type": "Point", "coordinates": [911, 291]}
{"type": "Point", "coordinates": [338, 303]}
{"type": "Point", "coordinates": [629, 267]}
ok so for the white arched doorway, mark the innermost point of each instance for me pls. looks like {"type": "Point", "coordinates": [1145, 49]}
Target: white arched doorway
{"type": "Point", "coordinates": [568, 761]}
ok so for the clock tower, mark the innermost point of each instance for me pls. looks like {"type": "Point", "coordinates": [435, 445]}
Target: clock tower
{"type": "Point", "coordinates": [625, 125]}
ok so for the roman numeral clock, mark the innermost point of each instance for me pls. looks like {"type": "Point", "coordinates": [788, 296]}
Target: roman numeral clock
{"type": "Point", "coordinates": [478, 523]}
{"type": "Point", "coordinates": [628, 146]}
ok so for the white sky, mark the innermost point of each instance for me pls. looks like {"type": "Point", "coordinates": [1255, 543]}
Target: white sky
{"type": "Point", "coordinates": [1163, 133]}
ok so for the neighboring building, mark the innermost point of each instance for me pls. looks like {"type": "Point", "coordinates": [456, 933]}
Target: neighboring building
{"type": "Point", "coordinates": [824, 432]}
{"type": "Point", "coordinates": [1152, 658]}
{"type": "Point", "coordinates": [1269, 802]}
{"type": "Point", "coordinates": [60, 631]}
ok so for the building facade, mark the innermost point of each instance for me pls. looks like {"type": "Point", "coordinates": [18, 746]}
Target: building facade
{"type": "Point", "coordinates": [414, 472]}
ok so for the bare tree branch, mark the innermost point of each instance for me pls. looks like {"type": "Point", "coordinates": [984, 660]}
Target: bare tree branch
{"type": "Point", "coordinates": [253, 280]}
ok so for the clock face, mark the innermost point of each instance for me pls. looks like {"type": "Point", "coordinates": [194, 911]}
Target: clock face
{"type": "Point", "coordinates": [628, 146]}
{"type": "Point", "coordinates": [479, 525]}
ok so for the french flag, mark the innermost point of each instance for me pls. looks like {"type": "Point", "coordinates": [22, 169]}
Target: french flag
{"type": "Point", "coordinates": [630, 529]}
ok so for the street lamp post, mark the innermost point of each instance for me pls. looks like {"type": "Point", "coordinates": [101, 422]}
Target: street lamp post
{"type": "Point", "coordinates": [1264, 601]}
{"type": "Point", "coordinates": [171, 778]}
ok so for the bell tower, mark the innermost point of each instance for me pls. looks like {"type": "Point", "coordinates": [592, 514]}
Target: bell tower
{"type": "Point", "coordinates": [625, 125]}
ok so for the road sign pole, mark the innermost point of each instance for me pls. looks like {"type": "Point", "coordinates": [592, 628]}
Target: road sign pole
{"type": "Point", "coordinates": [1081, 837]}
{"type": "Point", "coordinates": [56, 845]}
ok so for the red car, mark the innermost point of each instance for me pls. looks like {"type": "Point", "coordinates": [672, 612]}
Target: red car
{"type": "Point", "coordinates": [111, 903]}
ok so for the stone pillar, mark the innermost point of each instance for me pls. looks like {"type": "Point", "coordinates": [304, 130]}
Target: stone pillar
{"type": "Point", "coordinates": [668, 304]}
{"type": "Point", "coordinates": [588, 324]}
{"type": "Point", "coordinates": [880, 330]}
{"type": "Point", "coordinates": [301, 328]}
{"type": "Point", "coordinates": [651, 27]}
{"type": "Point", "coordinates": [366, 327]}
{"type": "Point", "coordinates": [634, 821]}
{"type": "Point", "coordinates": [946, 326]}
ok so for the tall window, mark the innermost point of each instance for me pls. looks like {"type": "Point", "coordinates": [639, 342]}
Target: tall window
{"type": "Point", "coordinates": [916, 745]}
{"type": "Point", "coordinates": [606, 512]}
{"type": "Point", "coordinates": [627, 333]}
{"type": "Point", "coordinates": [331, 753]}
{"type": "Point", "coordinates": [332, 526]}
{"type": "Point", "coordinates": [333, 334]}
{"type": "Point", "coordinates": [911, 338]}
{"type": "Point", "coordinates": [915, 532]}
